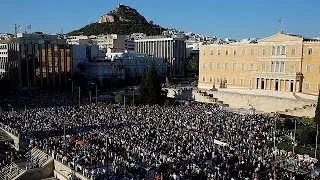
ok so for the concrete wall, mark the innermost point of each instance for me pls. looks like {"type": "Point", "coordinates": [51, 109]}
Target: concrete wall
{"type": "Point", "coordinates": [261, 103]}
{"type": "Point", "coordinates": [38, 173]}
{"type": "Point", "coordinates": [62, 172]}
{"type": "Point", "coordinates": [15, 139]}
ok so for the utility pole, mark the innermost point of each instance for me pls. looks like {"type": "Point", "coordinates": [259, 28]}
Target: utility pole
{"type": "Point", "coordinates": [315, 151]}
{"type": "Point", "coordinates": [72, 85]}
{"type": "Point", "coordinates": [64, 137]}
{"type": "Point", "coordinates": [274, 133]}
{"type": "Point", "coordinates": [294, 136]}
{"type": "Point", "coordinates": [133, 97]}
{"type": "Point", "coordinates": [274, 145]}
{"type": "Point", "coordinates": [107, 150]}
{"type": "Point", "coordinates": [96, 94]}
{"type": "Point", "coordinates": [79, 96]}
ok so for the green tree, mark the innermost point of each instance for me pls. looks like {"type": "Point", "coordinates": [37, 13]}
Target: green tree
{"type": "Point", "coordinates": [317, 114]}
{"type": "Point", "coordinates": [150, 88]}
{"type": "Point", "coordinates": [118, 98]}
{"type": "Point", "coordinates": [115, 67]}
{"type": "Point", "coordinates": [192, 65]}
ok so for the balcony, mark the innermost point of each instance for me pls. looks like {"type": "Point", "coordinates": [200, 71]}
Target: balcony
{"type": "Point", "coordinates": [276, 75]}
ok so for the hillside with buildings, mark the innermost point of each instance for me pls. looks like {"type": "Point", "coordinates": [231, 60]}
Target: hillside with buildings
{"type": "Point", "coordinates": [122, 20]}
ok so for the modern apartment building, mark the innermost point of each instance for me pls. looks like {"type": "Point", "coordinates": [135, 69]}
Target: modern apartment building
{"type": "Point", "coordinates": [281, 62]}
{"type": "Point", "coordinates": [78, 40]}
{"type": "Point", "coordinates": [115, 42]}
{"type": "Point", "coordinates": [171, 49]}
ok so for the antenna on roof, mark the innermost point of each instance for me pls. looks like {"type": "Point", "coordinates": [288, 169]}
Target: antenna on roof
{"type": "Point", "coordinates": [281, 24]}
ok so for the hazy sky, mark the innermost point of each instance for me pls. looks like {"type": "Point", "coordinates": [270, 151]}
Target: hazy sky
{"type": "Point", "coordinates": [231, 18]}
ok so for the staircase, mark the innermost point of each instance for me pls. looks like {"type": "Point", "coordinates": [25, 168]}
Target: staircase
{"type": "Point", "coordinates": [38, 157]}
{"type": "Point", "coordinates": [10, 171]}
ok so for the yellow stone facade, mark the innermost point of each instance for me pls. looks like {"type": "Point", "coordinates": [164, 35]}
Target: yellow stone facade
{"type": "Point", "coordinates": [281, 62]}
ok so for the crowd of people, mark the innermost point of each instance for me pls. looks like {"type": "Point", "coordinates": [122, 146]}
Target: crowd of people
{"type": "Point", "coordinates": [197, 141]}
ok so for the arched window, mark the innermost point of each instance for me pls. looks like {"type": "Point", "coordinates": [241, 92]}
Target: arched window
{"type": "Point", "coordinates": [278, 50]}
{"type": "Point", "coordinates": [283, 50]}
{"type": "Point", "coordinates": [273, 50]}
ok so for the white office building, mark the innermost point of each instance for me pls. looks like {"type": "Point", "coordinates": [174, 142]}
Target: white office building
{"type": "Point", "coordinates": [78, 40]}
{"type": "Point", "coordinates": [171, 49]}
{"type": "Point", "coordinates": [135, 64]}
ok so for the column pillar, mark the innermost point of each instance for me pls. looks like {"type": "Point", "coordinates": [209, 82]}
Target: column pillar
{"type": "Point", "coordinates": [298, 86]}
{"type": "Point", "coordinates": [279, 84]}
{"type": "Point", "coordinates": [265, 84]}
{"type": "Point", "coordinates": [260, 84]}
{"type": "Point", "coordinates": [270, 84]}
{"type": "Point", "coordinates": [289, 85]}
{"type": "Point", "coordinates": [294, 86]}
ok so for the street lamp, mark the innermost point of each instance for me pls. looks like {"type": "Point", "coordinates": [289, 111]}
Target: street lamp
{"type": "Point", "coordinates": [96, 92]}
{"type": "Point", "coordinates": [71, 85]}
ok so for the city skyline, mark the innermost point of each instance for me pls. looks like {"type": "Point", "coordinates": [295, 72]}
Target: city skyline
{"type": "Point", "coordinates": [234, 20]}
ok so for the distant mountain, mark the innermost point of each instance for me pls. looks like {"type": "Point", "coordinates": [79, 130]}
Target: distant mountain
{"type": "Point", "coordinates": [122, 20]}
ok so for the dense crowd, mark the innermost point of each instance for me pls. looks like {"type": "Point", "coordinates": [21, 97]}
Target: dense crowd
{"type": "Point", "coordinates": [178, 142]}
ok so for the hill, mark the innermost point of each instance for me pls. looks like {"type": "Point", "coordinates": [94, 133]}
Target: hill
{"type": "Point", "coordinates": [122, 20]}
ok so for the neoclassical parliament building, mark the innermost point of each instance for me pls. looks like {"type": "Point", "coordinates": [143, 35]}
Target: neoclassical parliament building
{"type": "Point", "coordinates": [281, 62]}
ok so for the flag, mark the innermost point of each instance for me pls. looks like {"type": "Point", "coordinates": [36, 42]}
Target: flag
{"type": "Point", "coordinates": [29, 27]}
{"type": "Point", "coordinates": [80, 142]}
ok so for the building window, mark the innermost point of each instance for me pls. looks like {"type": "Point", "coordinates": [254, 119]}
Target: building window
{"type": "Point", "coordinates": [277, 66]}
{"type": "Point", "coordinates": [309, 51]}
{"type": "Point", "coordinates": [306, 86]}
{"type": "Point", "coordinates": [309, 68]}
{"type": "Point", "coordinates": [251, 67]}
{"type": "Point", "coordinates": [211, 65]}
{"type": "Point", "coordinates": [234, 81]}
{"type": "Point", "coordinates": [283, 50]}
{"type": "Point", "coordinates": [234, 52]}
{"type": "Point", "coordinates": [252, 52]}
{"type": "Point", "coordinates": [263, 68]}
{"type": "Point", "coordinates": [211, 52]}
{"type": "Point", "coordinates": [204, 52]}
{"type": "Point", "coordinates": [264, 52]}
{"type": "Point", "coordinates": [272, 66]}
{"type": "Point", "coordinates": [273, 50]}
{"type": "Point", "coordinates": [218, 65]}
{"type": "Point", "coordinates": [278, 50]}
{"type": "Point", "coordinates": [219, 52]}
{"type": "Point", "coordinates": [227, 52]}
{"type": "Point", "coordinates": [234, 66]}
{"type": "Point", "coordinates": [226, 66]}
{"type": "Point", "coordinates": [203, 79]}
{"type": "Point", "coordinates": [281, 66]}
{"type": "Point", "coordinates": [210, 79]}
{"type": "Point", "coordinates": [293, 52]}
{"type": "Point", "coordinates": [242, 67]}
{"type": "Point", "coordinates": [292, 68]}
{"type": "Point", "coordinates": [203, 65]}
{"type": "Point", "coordinates": [243, 52]}
{"type": "Point", "coordinates": [242, 82]}
{"type": "Point", "coordinates": [218, 79]}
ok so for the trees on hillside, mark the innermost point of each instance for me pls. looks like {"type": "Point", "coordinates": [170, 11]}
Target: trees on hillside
{"type": "Point", "coordinates": [150, 88]}
{"type": "Point", "coordinates": [317, 115]}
